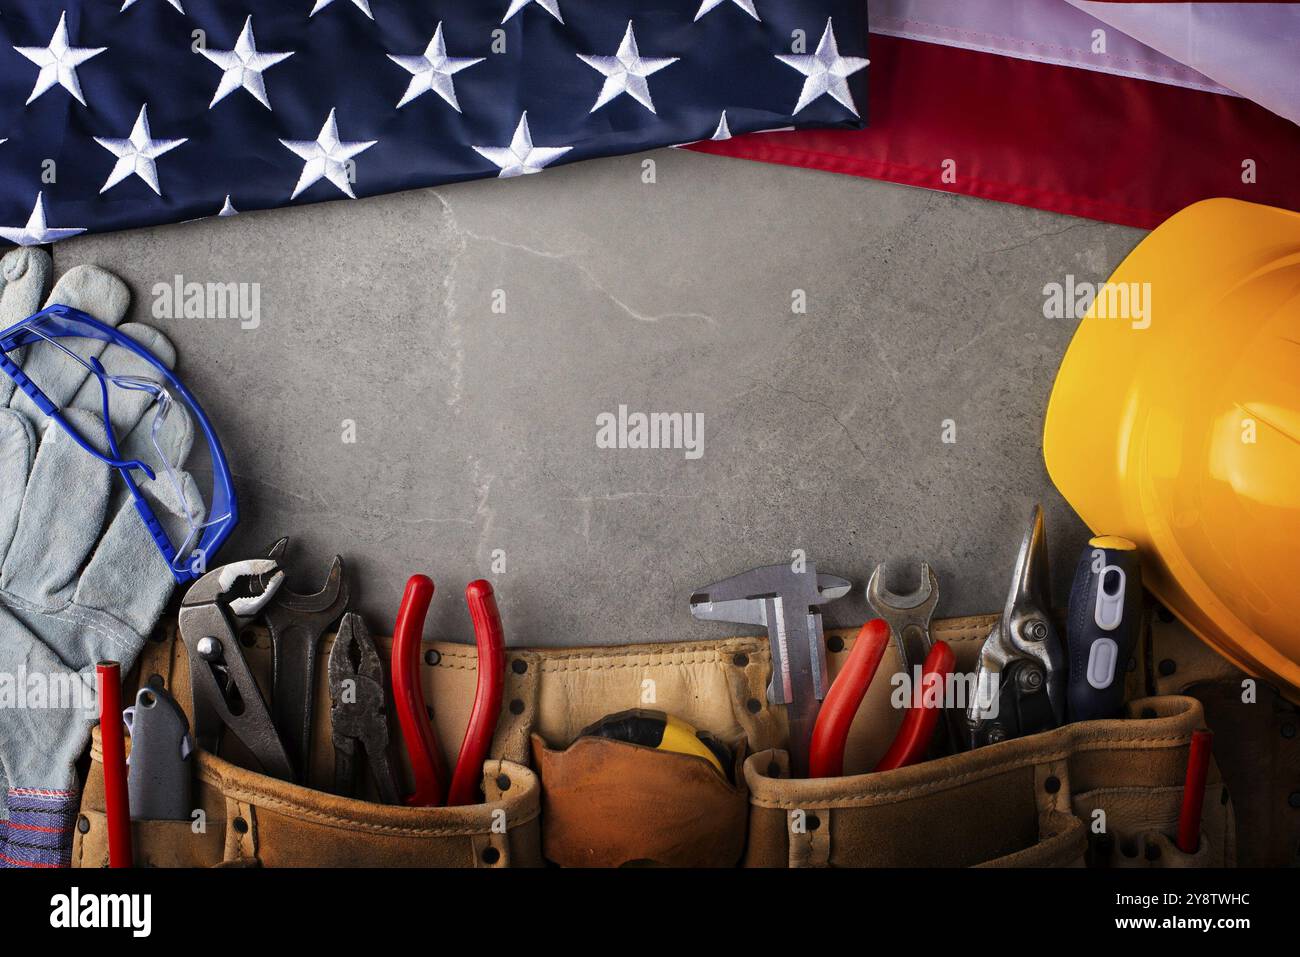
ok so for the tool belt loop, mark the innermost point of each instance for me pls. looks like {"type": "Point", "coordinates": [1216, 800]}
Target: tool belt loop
{"type": "Point", "coordinates": [241, 832]}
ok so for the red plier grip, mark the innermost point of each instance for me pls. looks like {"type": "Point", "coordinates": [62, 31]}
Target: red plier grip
{"type": "Point", "coordinates": [913, 737]}
{"type": "Point", "coordinates": [489, 637]}
{"type": "Point", "coordinates": [831, 732]}
{"type": "Point", "coordinates": [427, 765]}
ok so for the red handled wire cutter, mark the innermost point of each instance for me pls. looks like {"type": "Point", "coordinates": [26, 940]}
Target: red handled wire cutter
{"type": "Point", "coordinates": [826, 759]}
{"type": "Point", "coordinates": [427, 764]}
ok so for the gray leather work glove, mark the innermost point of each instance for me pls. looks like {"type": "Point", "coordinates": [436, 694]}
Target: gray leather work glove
{"type": "Point", "coordinates": [80, 577]}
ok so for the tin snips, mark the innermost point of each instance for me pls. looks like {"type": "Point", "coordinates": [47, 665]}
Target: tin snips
{"type": "Point", "coordinates": [1020, 682]}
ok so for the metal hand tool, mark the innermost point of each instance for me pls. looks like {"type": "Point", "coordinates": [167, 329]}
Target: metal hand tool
{"type": "Point", "coordinates": [1020, 683]}
{"type": "Point", "coordinates": [831, 733]}
{"type": "Point", "coordinates": [908, 615]}
{"type": "Point", "coordinates": [909, 619]}
{"type": "Point", "coordinates": [427, 764]}
{"type": "Point", "coordinates": [786, 602]}
{"type": "Point", "coordinates": [913, 737]}
{"type": "Point", "coordinates": [357, 716]}
{"type": "Point", "coordinates": [490, 641]}
{"type": "Point", "coordinates": [161, 774]}
{"type": "Point", "coordinates": [297, 623]}
{"type": "Point", "coordinates": [1101, 632]}
{"type": "Point", "coordinates": [214, 611]}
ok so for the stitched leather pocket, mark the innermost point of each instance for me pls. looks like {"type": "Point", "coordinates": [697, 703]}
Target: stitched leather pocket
{"type": "Point", "coordinates": [258, 820]}
{"type": "Point", "coordinates": [1023, 802]}
{"type": "Point", "coordinates": [251, 819]}
{"type": "Point", "coordinates": [608, 803]}
{"type": "Point", "coordinates": [1134, 827]}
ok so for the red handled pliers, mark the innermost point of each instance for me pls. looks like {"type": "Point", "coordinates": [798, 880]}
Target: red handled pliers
{"type": "Point", "coordinates": [830, 734]}
{"type": "Point", "coordinates": [427, 764]}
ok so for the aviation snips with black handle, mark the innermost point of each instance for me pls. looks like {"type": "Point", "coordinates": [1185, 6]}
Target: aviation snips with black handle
{"type": "Point", "coordinates": [1020, 681]}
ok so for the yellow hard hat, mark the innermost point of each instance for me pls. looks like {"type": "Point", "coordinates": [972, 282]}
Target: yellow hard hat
{"type": "Point", "coordinates": [1175, 422]}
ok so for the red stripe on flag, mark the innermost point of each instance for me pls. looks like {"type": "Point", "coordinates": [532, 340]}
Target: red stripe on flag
{"type": "Point", "coordinates": [1058, 138]}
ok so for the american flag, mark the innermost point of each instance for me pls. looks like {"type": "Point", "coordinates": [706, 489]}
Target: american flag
{"type": "Point", "coordinates": [122, 113]}
{"type": "Point", "coordinates": [1114, 110]}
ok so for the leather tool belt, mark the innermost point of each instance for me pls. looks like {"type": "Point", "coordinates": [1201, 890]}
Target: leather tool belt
{"type": "Point", "coordinates": [1096, 793]}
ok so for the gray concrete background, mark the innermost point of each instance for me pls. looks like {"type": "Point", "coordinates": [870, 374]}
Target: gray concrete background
{"type": "Point", "coordinates": [476, 431]}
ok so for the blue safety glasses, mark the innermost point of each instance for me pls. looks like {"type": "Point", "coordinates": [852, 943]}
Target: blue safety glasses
{"type": "Point", "coordinates": [204, 535]}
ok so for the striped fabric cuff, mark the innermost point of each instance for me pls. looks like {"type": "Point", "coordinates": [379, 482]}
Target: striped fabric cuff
{"type": "Point", "coordinates": [39, 830]}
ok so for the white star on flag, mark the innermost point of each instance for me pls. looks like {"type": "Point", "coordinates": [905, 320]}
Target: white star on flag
{"type": "Point", "coordinates": [326, 157]}
{"type": "Point", "coordinates": [626, 72]}
{"type": "Point", "coordinates": [826, 71]}
{"type": "Point", "coordinates": [137, 153]}
{"type": "Point", "coordinates": [35, 233]}
{"type": "Point", "coordinates": [433, 71]}
{"type": "Point", "coordinates": [723, 132]}
{"type": "Point", "coordinates": [362, 5]}
{"type": "Point", "coordinates": [550, 6]}
{"type": "Point", "coordinates": [746, 5]}
{"type": "Point", "coordinates": [59, 62]}
{"type": "Point", "coordinates": [174, 3]}
{"type": "Point", "coordinates": [228, 208]}
{"type": "Point", "coordinates": [244, 66]}
{"type": "Point", "coordinates": [521, 156]}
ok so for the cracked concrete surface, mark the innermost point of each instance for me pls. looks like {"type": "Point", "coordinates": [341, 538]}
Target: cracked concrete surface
{"type": "Point", "coordinates": [475, 429]}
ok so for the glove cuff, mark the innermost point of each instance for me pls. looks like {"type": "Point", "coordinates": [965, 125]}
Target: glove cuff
{"type": "Point", "coordinates": [39, 830]}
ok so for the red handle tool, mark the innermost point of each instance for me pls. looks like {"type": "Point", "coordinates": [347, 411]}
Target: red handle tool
{"type": "Point", "coordinates": [1198, 766]}
{"type": "Point", "coordinates": [918, 725]}
{"type": "Point", "coordinates": [490, 639]}
{"type": "Point", "coordinates": [112, 744]}
{"type": "Point", "coordinates": [831, 732]}
{"type": "Point", "coordinates": [427, 764]}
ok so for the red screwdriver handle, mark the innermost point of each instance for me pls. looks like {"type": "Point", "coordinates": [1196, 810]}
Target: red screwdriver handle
{"type": "Point", "coordinates": [913, 737]}
{"type": "Point", "coordinates": [489, 637]}
{"type": "Point", "coordinates": [831, 733]}
{"type": "Point", "coordinates": [427, 764]}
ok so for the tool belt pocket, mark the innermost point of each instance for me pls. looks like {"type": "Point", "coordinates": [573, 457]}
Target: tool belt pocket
{"type": "Point", "coordinates": [611, 803]}
{"type": "Point", "coordinates": [1025, 802]}
{"type": "Point", "coordinates": [251, 819]}
{"type": "Point", "coordinates": [243, 818]}
{"type": "Point", "coordinates": [1131, 827]}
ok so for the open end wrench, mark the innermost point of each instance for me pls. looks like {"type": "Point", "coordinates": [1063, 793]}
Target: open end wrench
{"type": "Point", "coordinates": [909, 618]}
{"type": "Point", "coordinates": [297, 623]}
{"type": "Point", "coordinates": [908, 615]}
